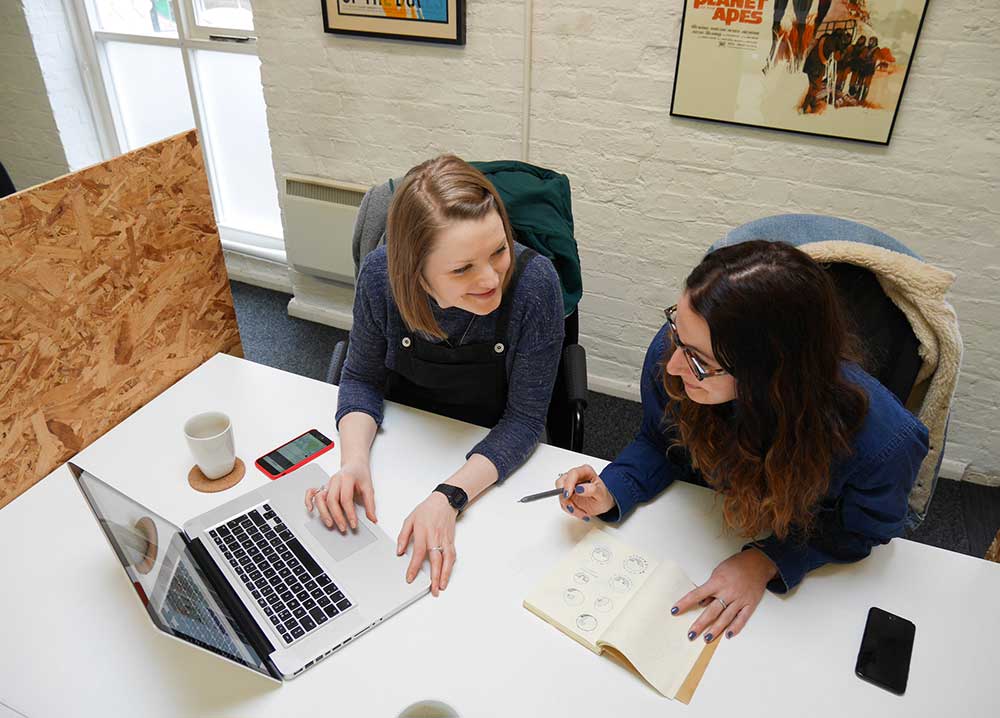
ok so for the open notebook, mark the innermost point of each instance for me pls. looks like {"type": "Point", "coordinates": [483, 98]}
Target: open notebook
{"type": "Point", "coordinates": [610, 597]}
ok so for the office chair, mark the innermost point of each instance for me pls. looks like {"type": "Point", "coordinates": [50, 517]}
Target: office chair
{"type": "Point", "coordinates": [565, 419]}
{"type": "Point", "coordinates": [890, 346]}
{"type": "Point", "coordinates": [6, 185]}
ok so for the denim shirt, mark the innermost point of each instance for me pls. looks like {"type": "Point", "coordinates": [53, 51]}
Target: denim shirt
{"type": "Point", "coordinates": [866, 501]}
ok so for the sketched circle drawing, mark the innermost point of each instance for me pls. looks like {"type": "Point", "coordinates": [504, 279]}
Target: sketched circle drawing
{"type": "Point", "coordinates": [581, 577]}
{"type": "Point", "coordinates": [635, 564]}
{"type": "Point", "coordinates": [620, 584]}
{"type": "Point", "coordinates": [573, 596]}
{"type": "Point", "coordinates": [586, 622]}
{"type": "Point", "coordinates": [603, 603]}
{"type": "Point", "coordinates": [601, 554]}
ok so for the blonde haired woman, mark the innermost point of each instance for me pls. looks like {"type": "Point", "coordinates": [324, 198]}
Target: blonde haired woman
{"type": "Point", "coordinates": [452, 316]}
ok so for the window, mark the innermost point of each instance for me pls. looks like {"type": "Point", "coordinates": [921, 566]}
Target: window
{"type": "Point", "coordinates": [165, 66]}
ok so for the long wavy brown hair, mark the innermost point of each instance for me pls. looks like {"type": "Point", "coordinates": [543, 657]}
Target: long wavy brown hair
{"type": "Point", "coordinates": [778, 328]}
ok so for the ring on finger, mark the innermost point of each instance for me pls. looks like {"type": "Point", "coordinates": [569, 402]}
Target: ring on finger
{"type": "Point", "coordinates": [724, 604]}
{"type": "Point", "coordinates": [437, 548]}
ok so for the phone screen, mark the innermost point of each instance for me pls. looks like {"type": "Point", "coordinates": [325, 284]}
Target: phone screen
{"type": "Point", "coordinates": [884, 658]}
{"type": "Point", "coordinates": [295, 451]}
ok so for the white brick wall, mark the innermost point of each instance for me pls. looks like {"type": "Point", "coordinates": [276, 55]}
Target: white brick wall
{"type": "Point", "coordinates": [652, 192]}
{"type": "Point", "coordinates": [30, 147]}
{"type": "Point", "coordinates": [50, 34]}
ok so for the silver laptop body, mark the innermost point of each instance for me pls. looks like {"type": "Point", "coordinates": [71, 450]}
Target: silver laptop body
{"type": "Point", "coordinates": [196, 588]}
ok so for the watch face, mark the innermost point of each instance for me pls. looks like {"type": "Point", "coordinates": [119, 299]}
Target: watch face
{"type": "Point", "coordinates": [456, 496]}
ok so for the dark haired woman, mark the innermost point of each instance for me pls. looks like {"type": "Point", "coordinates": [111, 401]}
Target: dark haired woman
{"type": "Point", "coordinates": [751, 381]}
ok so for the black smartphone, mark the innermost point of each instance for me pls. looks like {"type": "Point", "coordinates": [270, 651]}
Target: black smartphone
{"type": "Point", "coordinates": [884, 658]}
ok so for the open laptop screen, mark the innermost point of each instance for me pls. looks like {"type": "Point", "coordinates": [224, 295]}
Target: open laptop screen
{"type": "Point", "coordinates": [178, 597]}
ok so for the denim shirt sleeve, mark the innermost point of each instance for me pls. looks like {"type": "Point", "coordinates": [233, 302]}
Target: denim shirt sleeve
{"type": "Point", "coordinates": [870, 510]}
{"type": "Point", "coordinates": [642, 470]}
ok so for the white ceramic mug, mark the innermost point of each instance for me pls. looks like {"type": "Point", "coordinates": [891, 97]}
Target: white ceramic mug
{"type": "Point", "coordinates": [210, 438]}
{"type": "Point", "coordinates": [428, 709]}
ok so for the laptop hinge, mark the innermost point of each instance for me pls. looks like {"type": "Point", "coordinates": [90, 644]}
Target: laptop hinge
{"type": "Point", "coordinates": [247, 624]}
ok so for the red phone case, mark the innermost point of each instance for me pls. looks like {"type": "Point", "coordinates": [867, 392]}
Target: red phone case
{"type": "Point", "coordinates": [290, 469]}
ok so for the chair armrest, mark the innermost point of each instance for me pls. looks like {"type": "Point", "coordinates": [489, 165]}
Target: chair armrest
{"type": "Point", "coordinates": [337, 359]}
{"type": "Point", "coordinates": [575, 374]}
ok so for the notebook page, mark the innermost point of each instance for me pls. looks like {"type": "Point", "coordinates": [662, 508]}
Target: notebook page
{"type": "Point", "coordinates": [653, 641]}
{"type": "Point", "coordinates": [590, 587]}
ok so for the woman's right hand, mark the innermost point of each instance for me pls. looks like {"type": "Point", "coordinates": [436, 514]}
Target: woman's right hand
{"type": "Point", "coordinates": [335, 501]}
{"type": "Point", "coordinates": [584, 494]}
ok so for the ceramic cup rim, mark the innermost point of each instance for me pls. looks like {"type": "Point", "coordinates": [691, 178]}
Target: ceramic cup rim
{"type": "Point", "coordinates": [205, 415]}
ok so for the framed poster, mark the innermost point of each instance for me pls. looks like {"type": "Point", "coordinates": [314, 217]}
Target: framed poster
{"type": "Point", "coordinates": [424, 20]}
{"type": "Point", "coordinates": [835, 68]}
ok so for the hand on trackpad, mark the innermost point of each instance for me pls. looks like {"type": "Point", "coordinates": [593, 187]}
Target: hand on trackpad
{"type": "Point", "coordinates": [339, 545]}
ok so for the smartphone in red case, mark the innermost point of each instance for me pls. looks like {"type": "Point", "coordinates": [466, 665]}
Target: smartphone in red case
{"type": "Point", "coordinates": [293, 454]}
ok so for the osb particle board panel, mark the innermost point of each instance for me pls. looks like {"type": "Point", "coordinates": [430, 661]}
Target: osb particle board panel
{"type": "Point", "coordinates": [112, 287]}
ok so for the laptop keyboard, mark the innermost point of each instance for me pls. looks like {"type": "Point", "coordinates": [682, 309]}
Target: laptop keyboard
{"type": "Point", "coordinates": [289, 586]}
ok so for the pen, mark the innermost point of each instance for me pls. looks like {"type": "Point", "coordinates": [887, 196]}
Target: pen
{"type": "Point", "coordinates": [542, 495]}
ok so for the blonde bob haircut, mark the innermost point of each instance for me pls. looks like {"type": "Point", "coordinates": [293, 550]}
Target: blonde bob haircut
{"type": "Point", "coordinates": [434, 194]}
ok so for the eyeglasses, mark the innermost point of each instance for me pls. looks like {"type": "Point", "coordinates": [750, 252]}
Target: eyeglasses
{"type": "Point", "coordinates": [697, 368]}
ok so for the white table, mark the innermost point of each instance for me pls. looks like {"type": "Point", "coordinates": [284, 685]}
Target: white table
{"type": "Point", "coordinates": [76, 642]}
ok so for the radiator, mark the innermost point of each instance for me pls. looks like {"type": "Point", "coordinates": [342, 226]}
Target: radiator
{"type": "Point", "coordinates": [319, 224]}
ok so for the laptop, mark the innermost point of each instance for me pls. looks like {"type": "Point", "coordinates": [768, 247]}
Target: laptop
{"type": "Point", "coordinates": [257, 581]}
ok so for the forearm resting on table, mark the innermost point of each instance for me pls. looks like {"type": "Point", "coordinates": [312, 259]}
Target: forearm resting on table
{"type": "Point", "coordinates": [357, 431]}
{"type": "Point", "coordinates": [475, 476]}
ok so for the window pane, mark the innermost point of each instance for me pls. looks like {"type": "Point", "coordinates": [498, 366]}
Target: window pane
{"type": "Point", "coordinates": [152, 92]}
{"type": "Point", "coordinates": [224, 13]}
{"type": "Point", "coordinates": [138, 16]}
{"type": "Point", "coordinates": [236, 129]}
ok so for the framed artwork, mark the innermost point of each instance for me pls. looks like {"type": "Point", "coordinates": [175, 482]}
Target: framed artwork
{"type": "Point", "coordinates": [424, 20]}
{"type": "Point", "coordinates": [835, 68]}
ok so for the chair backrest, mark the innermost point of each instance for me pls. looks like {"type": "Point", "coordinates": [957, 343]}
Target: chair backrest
{"type": "Point", "coordinates": [885, 333]}
{"type": "Point", "coordinates": [114, 287]}
{"type": "Point", "coordinates": [6, 185]}
{"type": "Point", "coordinates": [538, 204]}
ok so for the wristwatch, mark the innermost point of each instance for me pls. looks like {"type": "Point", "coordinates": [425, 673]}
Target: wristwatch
{"type": "Point", "coordinates": [456, 496]}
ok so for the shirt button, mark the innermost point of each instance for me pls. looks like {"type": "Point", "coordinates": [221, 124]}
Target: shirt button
{"type": "Point", "coordinates": [498, 348]}
{"type": "Point", "coordinates": [406, 342]}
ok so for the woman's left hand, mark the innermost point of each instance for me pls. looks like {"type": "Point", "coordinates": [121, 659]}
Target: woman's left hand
{"type": "Point", "coordinates": [740, 581]}
{"type": "Point", "coordinates": [432, 527]}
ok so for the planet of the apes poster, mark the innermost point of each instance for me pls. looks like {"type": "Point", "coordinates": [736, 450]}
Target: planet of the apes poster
{"type": "Point", "coordinates": [824, 67]}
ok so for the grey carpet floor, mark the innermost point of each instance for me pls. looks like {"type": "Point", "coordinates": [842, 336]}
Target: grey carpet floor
{"type": "Point", "coordinates": [963, 517]}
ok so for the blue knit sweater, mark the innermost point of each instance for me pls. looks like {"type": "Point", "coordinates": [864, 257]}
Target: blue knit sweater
{"type": "Point", "coordinates": [534, 340]}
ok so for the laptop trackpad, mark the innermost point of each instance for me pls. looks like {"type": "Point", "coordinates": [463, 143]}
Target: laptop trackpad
{"type": "Point", "coordinates": [339, 545]}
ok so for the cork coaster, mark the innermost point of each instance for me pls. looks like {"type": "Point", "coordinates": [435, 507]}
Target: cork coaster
{"type": "Point", "coordinates": [147, 528]}
{"type": "Point", "coordinates": [199, 482]}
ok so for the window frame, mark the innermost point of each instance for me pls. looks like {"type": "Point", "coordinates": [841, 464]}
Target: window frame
{"type": "Point", "coordinates": [189, 39]}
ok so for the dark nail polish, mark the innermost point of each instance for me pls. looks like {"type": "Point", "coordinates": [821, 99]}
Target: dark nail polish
{"type": "Point", "coordinates": [673, 611]}
{"type": "Point", "coordinates": [729, 634]}
{"type": "Point", "coordinates": [579, 489]}
{"type": "Point", "coordinates": [565, 494]}
{"type": "Point", "coordinates": [586, 518]}
{"type": "Point", "coordinates": [691, 635]}
{"type": "Point", "coordinates": [570, 509]}
{"type": "Point", "coordinates": [708, 638]}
